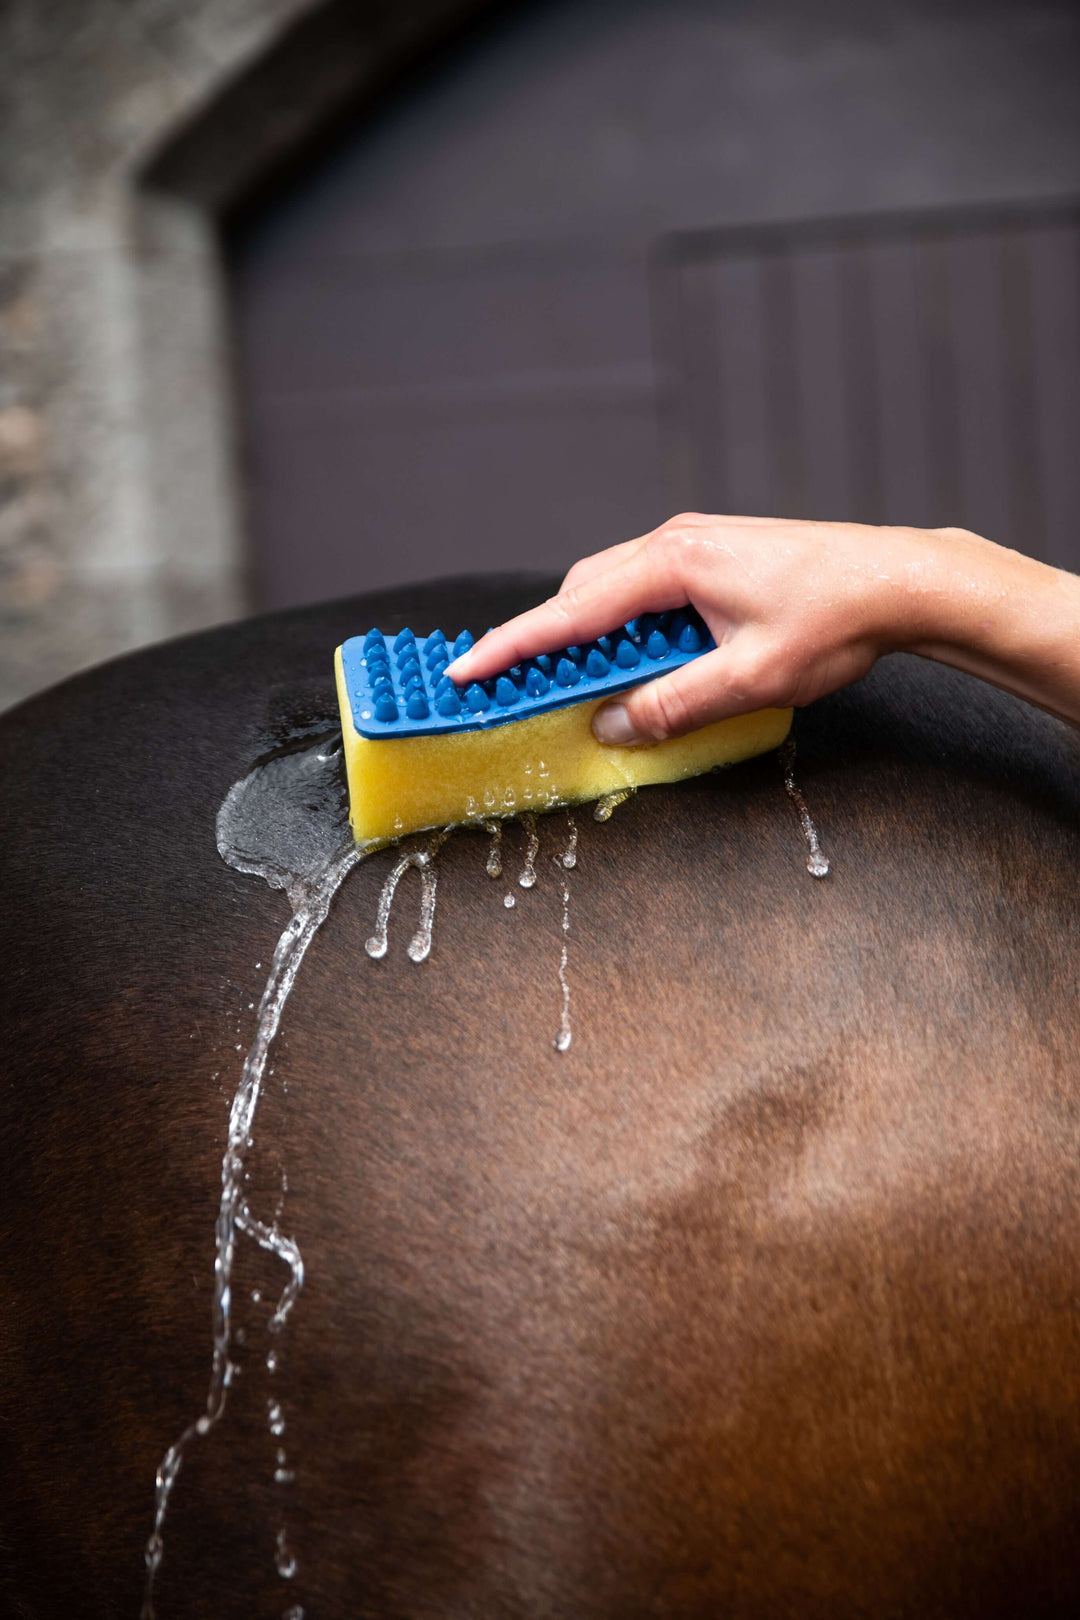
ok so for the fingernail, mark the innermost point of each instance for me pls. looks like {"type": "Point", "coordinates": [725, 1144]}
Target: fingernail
{"type": "Point", "coordinates": [612, 725]}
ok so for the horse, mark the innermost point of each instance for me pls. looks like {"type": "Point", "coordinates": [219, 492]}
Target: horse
{"type": "Point", "coordinates": [757, 1297]}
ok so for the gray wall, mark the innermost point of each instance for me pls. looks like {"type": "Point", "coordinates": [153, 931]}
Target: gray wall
{"type": "Point", "coordinates": [447, 341]}
{"type": "Point", "coordinates": [585, 118]}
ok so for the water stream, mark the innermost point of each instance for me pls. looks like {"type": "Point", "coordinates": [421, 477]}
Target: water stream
{"type": "Point", "coordinates": [532, 850]}
{"type": "Point", "coordinates": [285, 821]}
{"type": "Point", "coordinates": [564, 864]}
{"type": "Point", "coordinates": [817, 862]}
{"type": "Point", "coordinates": [606, 807]}
{"type": "Point", "coordinates": [494, 857]}
{"type": "Point", "coordinates": [419, 947]}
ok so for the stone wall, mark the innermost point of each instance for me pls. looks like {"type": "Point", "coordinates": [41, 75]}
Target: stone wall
{"type": "Point", "coordinates": [124, 129]}
{"type": "Point", "coordinates": [101, 546]}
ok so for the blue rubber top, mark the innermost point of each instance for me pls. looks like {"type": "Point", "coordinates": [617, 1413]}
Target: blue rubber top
{"type": "Point", "coordinates": [400, 688]}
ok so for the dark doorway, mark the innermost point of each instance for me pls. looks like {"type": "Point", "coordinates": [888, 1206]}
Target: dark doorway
{"type": "Point", "coordinates": [488, 329]}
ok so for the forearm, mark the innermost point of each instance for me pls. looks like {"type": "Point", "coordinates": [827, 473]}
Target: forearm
{"type": "Point", "coordinates": [1003, 617]}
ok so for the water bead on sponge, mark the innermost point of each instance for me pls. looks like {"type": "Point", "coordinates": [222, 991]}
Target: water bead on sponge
{"type": "Point", "coordinates": [421, 752]}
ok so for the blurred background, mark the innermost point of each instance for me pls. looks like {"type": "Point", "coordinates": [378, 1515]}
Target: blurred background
{"type": "Point", "coordinates": [304, 297]}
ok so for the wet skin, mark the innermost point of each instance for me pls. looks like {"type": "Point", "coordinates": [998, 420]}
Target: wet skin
{"type": "Point", "coordinates": [761, 1300]}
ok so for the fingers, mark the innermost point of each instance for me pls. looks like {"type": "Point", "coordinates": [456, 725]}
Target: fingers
{"type": "Point", "coordinates": [642, 580]}
{"type": "Point", "coordinates": [734, 679]}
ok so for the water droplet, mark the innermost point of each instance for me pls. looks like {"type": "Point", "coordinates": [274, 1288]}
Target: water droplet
{"type": "Point", "coordinates": [494, 855]}
{"type": "Point", "coordinates": [509, 902]}
{"type": "Point", "coordinates": [532, 849]}
{"type": "Point", "coordinates": [284, 1562]}
{"type": "Point", "coordinates": [275, 1418]}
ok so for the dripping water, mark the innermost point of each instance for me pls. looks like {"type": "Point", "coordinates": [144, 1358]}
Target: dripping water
{"type": "Point", "coordinates": [283, 1557]}
{"type": "Point", "coordinates": [817, 862]}
{"type": "Point", "coordinates": [494, 856]}
{"type": "Point", "coordinates": [564, 863]}
{"type": "Point", "coordinates": [610, 802]}
{"type": "Point", "coordinates": [286, 822]}
{"type": "Point", "coordinates": [509, 902]}
{"type": "Point", "coordinates": [532, 848]}
{"type": "Point", "coordinates": [286, 1250]}
{"type": "Point", "coordinates": [419, 947]}
{"type": "Point", "coordinates": [569, 858]}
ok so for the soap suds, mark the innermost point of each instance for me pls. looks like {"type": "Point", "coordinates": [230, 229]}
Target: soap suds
{"type": "Point", "coordinates": [817, 863]}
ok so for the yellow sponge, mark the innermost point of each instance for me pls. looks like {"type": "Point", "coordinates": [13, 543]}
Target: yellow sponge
{"type": "Point", "coordinates": [402, 784]}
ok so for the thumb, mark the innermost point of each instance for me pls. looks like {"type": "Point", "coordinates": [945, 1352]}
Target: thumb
{"type": "Point", "coordinates": [733, 679]}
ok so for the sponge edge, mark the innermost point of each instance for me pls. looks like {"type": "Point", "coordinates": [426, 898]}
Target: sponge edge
{"type": "Point", "coordinates": [400, 785]}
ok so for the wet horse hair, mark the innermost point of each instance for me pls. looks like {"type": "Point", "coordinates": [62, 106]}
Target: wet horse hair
{"type": "Point", "coordinates": [760, 1300]}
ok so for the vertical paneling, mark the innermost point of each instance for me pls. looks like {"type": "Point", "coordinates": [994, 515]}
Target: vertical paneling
{"type": "Point", "coordinates": [745, 453]}
{"type": "Point", "coordinates": [977, 326]}
{"type": "Point", "coordinates": [1054, 262]}
{"type": "Point", "coordinates": [821, 385]}
{"type": "Point", "coordinates": [921, 371]}
{"type": "Point", "coordinates": [907, 482]}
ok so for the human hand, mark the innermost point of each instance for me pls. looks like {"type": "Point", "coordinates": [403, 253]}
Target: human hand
{"type": "Point", "coordinates": [798, 609]}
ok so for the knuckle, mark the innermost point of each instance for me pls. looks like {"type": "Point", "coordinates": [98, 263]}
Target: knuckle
{"type": "Point", "coordinates": [679, 537]}
{"type": "Point", "coordinates": [663, 710]}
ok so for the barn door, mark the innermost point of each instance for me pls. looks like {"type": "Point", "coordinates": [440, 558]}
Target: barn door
{"type": "Point", "coordinates": [923, 370]}
{"type": "Point", "coordinates": [512, 408]}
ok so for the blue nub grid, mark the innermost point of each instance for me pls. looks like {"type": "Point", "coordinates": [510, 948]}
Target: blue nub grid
{"type": "Point", "coordinates": [400, 688]}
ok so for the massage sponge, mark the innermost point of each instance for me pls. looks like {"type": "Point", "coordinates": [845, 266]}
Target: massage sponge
{"type": "Point", "coordinates": [421, 752]}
